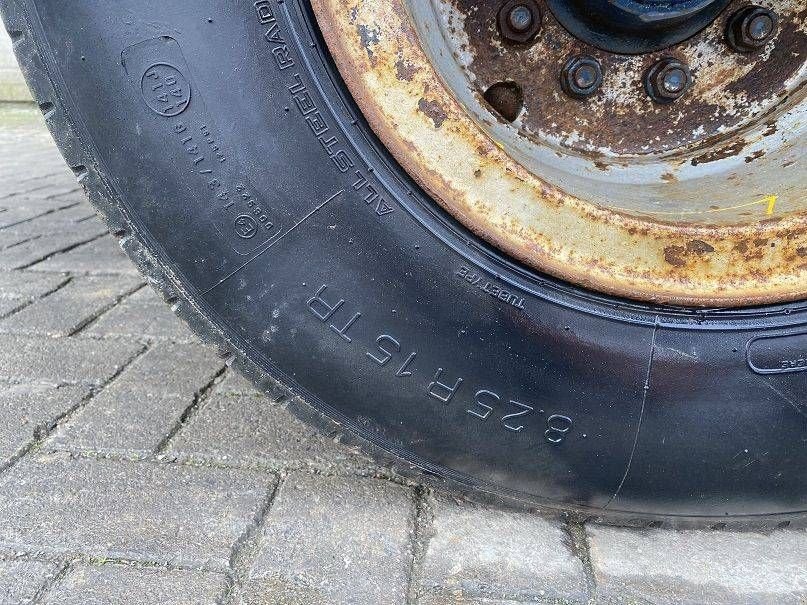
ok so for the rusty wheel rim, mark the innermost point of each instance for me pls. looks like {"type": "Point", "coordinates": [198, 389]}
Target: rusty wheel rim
{"type": "Point", "coordinates": [712, 213]}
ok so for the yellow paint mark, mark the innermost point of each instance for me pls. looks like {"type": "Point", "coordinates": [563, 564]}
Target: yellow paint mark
{"type": "Point", "coordinates": [771, 199]}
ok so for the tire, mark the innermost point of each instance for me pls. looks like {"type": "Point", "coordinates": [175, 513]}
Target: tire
{"type": "Point", "coordinates": [260, 204]}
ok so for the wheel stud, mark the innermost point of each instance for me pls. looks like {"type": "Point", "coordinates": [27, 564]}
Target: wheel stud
{"type": "Point", "coordinates": [751, 28]}
{"type": "Point", "coordinates": [519, 20]}
{"type": "Point", "coordinates": [581, 76]}
{"type": "Point", "coordinates": [667, 80]}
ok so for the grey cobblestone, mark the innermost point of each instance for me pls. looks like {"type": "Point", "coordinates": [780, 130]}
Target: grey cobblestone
{"type": "Point", "coordinates": [45, 228]}
{"type": "Point", "coordinates": [333, 540]}
{"type": "Point", "coordinates": [25, 193]}
{"type": "Point", "coordinates": [234, 383]}
{"type": "Point", "coordinates": [60, 222]}
{"type": "Point", "coordinates": [121, 421]}
{"type": "Point", "coordinates": [249, 431]}
{"type": "Point", "coordinates": [699, 567]}
{"type": "Point", "coordinates": [20, 581]}
{"type": "Point", "coordinates": [136, 511]}
{"type": "Point", "coordinates": [15, 212]}
{"type": "Point", "coordinates": [33, 251]}
{"type": "Point", "coordinates": [39, 170]}
{"type": "Point", "coordinates": [173, 369]}
{"type": "Point", "coordinates": [19, 288]}
{"type": "Point", "coordinates": [137, 412]}
{"type": "Point", "coordinates": [464, 600]}
{"type": "Point", "coordinates": [100, 256]}
{"type": "Point", "coordinates": [77, 195]}
{"type": "Point", "coordinates": [29, 168]}
{"type": "Point", "coordinates": [27, 409]}
{"type": "Point", "coordinates": [46, 360]}
{"type": "Point", "coordinates": [55, 215]}
{"type": "Point", "coordinates": [143, 314]}
{"type": "Point", "coordinates": [126, 585]}
{"type": "Point", "coordinates": [9, 239]}
{"type": "Point", "coordinates": [51, 188]}
{"type": "Point", "coordinates": [25, 285]}
{"type": "Point", "coordinates": [475, 552]}
{"type": "Point", "coordinates": [72, 307]}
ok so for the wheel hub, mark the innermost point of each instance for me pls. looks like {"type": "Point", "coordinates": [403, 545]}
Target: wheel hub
{"type": "Point", "coordinates": [635, 26]}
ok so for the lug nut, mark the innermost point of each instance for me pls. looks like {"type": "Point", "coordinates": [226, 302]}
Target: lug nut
{"type": "Point", "coordinates": [751, 28]}
{"type": "Point", "coordinates": [581, 76]}
{"type": "Point", "coordinates": [519, 20]}
{"type": "Point", "coordinates": [667, 80]}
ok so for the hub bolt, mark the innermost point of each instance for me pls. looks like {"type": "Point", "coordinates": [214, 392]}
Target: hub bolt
{"type": "Point", "coordinates": [667, 80]}
{"type": "Point", "coordinates": [751, 28]}
{"type": "Point", "coordinates": [519, 20]}
{"type": "Point", "coordinates": [581, 76]}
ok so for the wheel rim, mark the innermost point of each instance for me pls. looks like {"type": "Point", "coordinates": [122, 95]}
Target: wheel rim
{"type": "Point", "coordinates": [712, 212]}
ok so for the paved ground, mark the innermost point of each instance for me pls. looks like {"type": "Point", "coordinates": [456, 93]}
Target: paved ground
{"type": "Point", "coordinates": [12, 84]}
{"type": "Point", "coordinates": [135, 468]}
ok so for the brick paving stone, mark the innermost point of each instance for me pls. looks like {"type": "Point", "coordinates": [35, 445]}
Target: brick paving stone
{"type": "Point", "coordinates": [33, 203]}
{"type": "Point", "coordinates": [9, 305]}
{"type": "Point", "coordinates": [447, 599]}
{"type": "Point", "coordinates": [138, 411]}
{"type": "Point", "coordinates": [476, 552]}
{"type": "Point", "coordinates": [20, 581]}
{"type": "Point", "coordinates": [173, 369]}
{"type": "Point", "coordinates": [700, 567]}
{"type": "Point", "coordinates": [65, 214]}
{"type": "Point", "coordinates": [103, 255]}
{"type": "Point", "coordinates": [161, 513]}
{"type": "Point", "coordinates": [234, 383]}
{"type": "Point", "coordinates": [38, 359]}
{"type": "Point", "coordinates": [18, 288]}
{"type": "Point", "coordinates": [126, 585]}
{"type": "Point", "coordinates": [26, 168]}
{"type": "Point", "coordinates": [34, 251]}
{"type": "Point", "coordinates": [76, 218]}
{"type": "Point", "coordinates": [143, 314]}
{"type": "Point", "coordinates": [48, 188]}
{"type": "Point", "coordinates": [333, 540]}
{"type": "Point", "coordinates": [76, 196]}
{"type": "Point", "coordinates": [42, 172]}
{"type": "Point", "coordinates": [10, 239]}
{"type": "Point", "coordinates": [48, 236]}
{"type": "Point", "coordinates": [121, 421]}
{"type": "Point", "coordinates": [27, 165]}
{"type": "Point", "coordinates": [247, 431]}
{"type": "Point", "coordinates": [16, 215]}
{"type": "Point", "coordinates": [26, 285]}
{"type": "Point", "coordinates": [71, 307]}
{"type": "Point", "coordinates": [26, 151]}
{"type": "Point", "coordinates": [25, 409]}
{"type": "Point", "coordinates": [21, 194]}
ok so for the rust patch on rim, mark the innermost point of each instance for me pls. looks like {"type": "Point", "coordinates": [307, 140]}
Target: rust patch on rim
{"type": "Point", "coordinates": [379, 54]}
{"type": "Point", "coordinates": [621, 119]}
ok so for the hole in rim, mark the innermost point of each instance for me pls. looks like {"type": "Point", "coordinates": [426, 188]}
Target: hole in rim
{"type": "Point", "coordinates": [506, 99]}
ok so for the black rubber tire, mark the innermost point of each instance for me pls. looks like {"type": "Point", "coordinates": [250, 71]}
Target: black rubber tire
{"type": "Point", "coordinates": [379, 312]}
